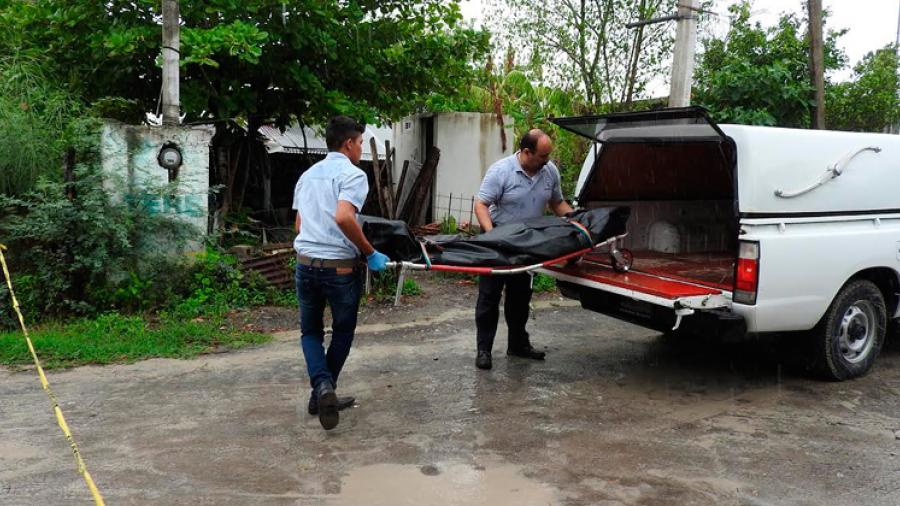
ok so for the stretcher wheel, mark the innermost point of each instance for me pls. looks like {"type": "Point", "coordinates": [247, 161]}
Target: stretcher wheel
{"type": "Point", "coordinates": [621, 260]}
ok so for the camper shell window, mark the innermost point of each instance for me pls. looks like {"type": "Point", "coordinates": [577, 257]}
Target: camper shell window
{"type": "Point", "coordinates": [671, 154]}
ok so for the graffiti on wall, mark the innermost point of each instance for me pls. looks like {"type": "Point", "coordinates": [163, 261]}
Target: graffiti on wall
{"type": "Point", "coordinates": [193, 206]}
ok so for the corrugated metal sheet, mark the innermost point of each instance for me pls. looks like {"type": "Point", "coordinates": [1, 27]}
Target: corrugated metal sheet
{"type": "Point", "coordinates": [273, 265]}
{"type": "Point", "coordinates": [291, 141]}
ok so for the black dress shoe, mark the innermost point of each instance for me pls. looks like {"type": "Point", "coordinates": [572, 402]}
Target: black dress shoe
{"type": "Point", "coordinates": [526, 352]}
{"type": "Point", "coordinates": [342, 404]}
{"type": "Point", "coordinates": [483, 361]}
{"type": "Point", "coordinates": [327, 402]}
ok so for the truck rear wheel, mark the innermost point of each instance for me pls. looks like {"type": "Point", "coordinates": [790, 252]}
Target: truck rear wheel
{"type": "Point", "coordinates": [851, 334]}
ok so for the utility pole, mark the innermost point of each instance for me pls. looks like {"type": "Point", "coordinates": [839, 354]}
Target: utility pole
{"type": "Point", "coordinates": [817, 62]}
{"type": "Point", "coordinates": [685, 46]}
{"type": "Point", "coordinates": [683, 60]}
{"type": "Point", "coordinates": [171, 43]}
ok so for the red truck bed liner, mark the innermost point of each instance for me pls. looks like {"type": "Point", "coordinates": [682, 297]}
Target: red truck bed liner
{"type": "Point", "coordinates": [661, 275]}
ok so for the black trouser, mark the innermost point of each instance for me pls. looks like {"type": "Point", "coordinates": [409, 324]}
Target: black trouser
{"type": "Point", "coordinates": [515, 308]}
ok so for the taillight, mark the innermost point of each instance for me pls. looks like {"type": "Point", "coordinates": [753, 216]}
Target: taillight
{"type": "Point", "coordinates": [746, 276]}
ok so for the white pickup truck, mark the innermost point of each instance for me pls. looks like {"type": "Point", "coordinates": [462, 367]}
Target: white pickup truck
{"type": "Point", "coordinates": [745, 230]}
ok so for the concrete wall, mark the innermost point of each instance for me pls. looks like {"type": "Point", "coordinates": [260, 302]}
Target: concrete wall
{"type": "Point", "coordinates": [469, 144]}
{"type": "Point", "coordinates": [128, 154]}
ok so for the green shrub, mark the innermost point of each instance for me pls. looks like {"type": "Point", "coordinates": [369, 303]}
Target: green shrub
{"type": "Point", "coordinates": [215, 284]}
{"type": "Point", "coordinates": [90, 253]}
{"type": "Point", "coordinates": [279, 297]}
{"type": "Point", "coordinates": [543, 283]}
{"type": "Point", "coordinates": [411, 287]}
{"type": "Point", "coordinates": [384, 286]}
{"type": "Point", "coordinates": [448, 225]}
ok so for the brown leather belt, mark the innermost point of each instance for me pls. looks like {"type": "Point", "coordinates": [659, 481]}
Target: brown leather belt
{"type": "Point", "coordinates": [327, 263]}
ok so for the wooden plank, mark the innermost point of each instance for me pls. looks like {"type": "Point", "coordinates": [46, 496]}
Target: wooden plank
{"type": "Point", "coordinates": [400, 184]}
{"type": "Point", "coordinates": [389, 172]}
{"type": "Point", "coordinates": [422, 208]}
{"type": "Point", "coordinates": [376, 169]}
{"type": "Point", "coordinates": [388, 180]}
{"type": "Point", "coordinates": [416, 206]}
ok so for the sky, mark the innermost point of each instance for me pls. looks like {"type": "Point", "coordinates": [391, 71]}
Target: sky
{"type": "Point", "coordinates": [872, 23]}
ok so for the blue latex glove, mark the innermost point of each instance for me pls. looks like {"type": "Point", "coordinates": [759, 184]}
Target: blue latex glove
{"type": "Point", "coordinates": [376, 261]}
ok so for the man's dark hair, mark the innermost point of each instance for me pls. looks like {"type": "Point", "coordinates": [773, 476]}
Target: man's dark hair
{"type": "Point", "coordinates": [530, 139]}
{"type": "Point", "coordinates": [341, 128]}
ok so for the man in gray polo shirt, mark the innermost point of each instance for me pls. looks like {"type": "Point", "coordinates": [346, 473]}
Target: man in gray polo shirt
{"type": "Point", "coordinates": [514, 189]}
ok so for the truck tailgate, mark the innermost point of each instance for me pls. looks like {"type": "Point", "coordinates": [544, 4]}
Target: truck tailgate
{"type": "Point", "coordinates": [647, 287]}
{"type": "Point", "coordinates": [637, 281]}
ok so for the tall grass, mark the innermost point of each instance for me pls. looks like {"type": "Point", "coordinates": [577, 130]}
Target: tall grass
{"type": "Point", "coordinates": [35, 114]}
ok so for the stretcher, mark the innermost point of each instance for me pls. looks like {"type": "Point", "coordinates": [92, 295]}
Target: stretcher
{"type": "Point", "coordinates": [621, 260]}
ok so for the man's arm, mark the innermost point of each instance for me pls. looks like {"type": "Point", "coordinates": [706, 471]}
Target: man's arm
{"type": "Point", "coordinates": [557, 202]}
{"type": "Point", "coordinates": [489, 192]}
{"type": "Point", "coordinates": [483, 214]}
{"type": "Point", "coordinates": [560, 208]}
{"type": "Point", "coordinates": [345, 217]}
{"type": "Point", "coordinates": [297, 223]}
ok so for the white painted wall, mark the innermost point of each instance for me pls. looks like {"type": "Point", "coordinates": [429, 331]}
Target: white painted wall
{"type": "Point", "coordinates": [469, 144]}
{"type": "Point", "coordinates": [128, 154]}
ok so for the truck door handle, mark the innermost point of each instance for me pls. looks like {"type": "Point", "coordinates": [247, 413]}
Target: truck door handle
{"type": "Point", "coordinates": [831, 172]}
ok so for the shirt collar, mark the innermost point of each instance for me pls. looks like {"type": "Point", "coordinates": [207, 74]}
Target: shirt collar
{"type": "Point", "coordinates": [520, 169]}
{"type": "Point", "coordinates": [336, 155]}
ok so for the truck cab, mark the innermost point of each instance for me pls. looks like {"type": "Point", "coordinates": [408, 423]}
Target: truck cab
{"type": "Point", "coordinates": [738, 230]}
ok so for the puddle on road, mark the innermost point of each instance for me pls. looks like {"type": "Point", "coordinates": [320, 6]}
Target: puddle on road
{"type": "Point", "coordinates": [447, 484]}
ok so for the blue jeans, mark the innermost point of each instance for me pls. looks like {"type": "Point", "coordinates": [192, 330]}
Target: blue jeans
{"type": "Point", "coordinates": [315, 287]}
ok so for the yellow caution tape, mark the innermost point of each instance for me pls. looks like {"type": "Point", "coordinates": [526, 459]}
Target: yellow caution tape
{"type": "Point", "coordinates": [82, 468]}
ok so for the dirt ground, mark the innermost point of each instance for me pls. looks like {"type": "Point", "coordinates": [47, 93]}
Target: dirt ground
{"type": "Point", "coordinates": [616, 415]}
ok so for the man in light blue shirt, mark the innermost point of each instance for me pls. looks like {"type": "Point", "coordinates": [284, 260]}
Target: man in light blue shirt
{"type": "Point", "coordinates": [329, 243]}
{"type": "Point", "coordinates": [514, 189]}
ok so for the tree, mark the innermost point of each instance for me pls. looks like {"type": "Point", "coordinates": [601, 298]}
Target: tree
{"type": "Point", "coordinates": [583, 46]}
{"type": "Point", "coordinates": [507, 90]}
{"type": "Point", "coordinates": [758, 75]}
{"type": "Point", "coordinates": [257, 59]}
{"type": "Point", "coordinates": [260, 61]}
{"type": "Point", "coordinates": [816, 67]}
{"type": "Point", "coordinates": [35, 113]}
{"type": "Point", "coordinates": [869, 102]}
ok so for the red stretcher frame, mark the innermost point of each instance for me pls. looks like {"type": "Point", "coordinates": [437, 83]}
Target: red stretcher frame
{"type": "Point", "coordinates": [615, 253]}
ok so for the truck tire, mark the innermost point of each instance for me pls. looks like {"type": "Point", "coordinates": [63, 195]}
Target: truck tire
{"type": "Point", "coordinates": [849, 337]}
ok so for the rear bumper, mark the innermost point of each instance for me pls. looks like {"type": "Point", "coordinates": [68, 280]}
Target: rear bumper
{"type": "Point", "coordinates": [714, 321]}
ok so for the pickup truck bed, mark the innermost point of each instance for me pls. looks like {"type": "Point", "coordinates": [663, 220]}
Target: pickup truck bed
{"type": "Point", "coordinates": [709, 269]}
{"type": "Point", "coordinates": [661, 275]}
